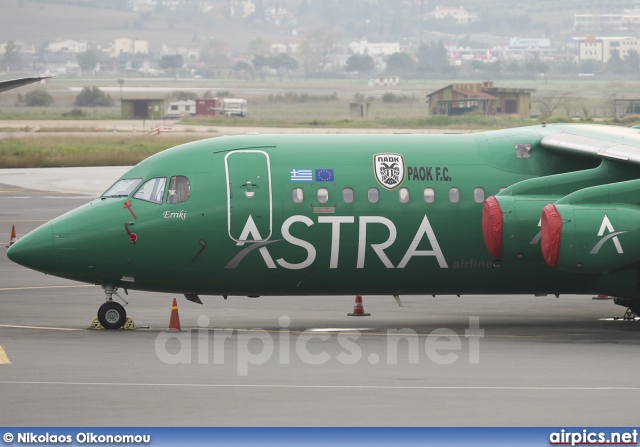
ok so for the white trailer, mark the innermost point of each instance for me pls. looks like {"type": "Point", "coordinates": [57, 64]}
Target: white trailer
{"type": "Point", "coordinates": [233, 107]}
{"type": "Point", "coordinates": [180, 109]}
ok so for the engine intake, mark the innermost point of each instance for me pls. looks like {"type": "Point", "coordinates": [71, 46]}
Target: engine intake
{"type": "Point", "coordinates": [593, 238]}
{"type": "Point", "coordinates": [511, 226]}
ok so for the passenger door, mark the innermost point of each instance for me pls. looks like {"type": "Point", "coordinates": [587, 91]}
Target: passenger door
{"type": "Point", "coordinates": [249, 194]}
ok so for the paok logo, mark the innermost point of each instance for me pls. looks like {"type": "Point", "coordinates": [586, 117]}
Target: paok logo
{"type": "Point", "coordinates": [613, 235]}
{"type": "Point", "coordinates": [389, 169]}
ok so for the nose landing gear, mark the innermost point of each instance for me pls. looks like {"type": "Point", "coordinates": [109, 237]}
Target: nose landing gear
{"type": "Point", "coordinates": [112, 315]}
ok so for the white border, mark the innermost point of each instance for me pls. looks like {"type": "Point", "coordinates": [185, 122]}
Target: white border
{"type": "Point", "coordinates": [226, 168]}
{"type": "Point", "coordinates": [404, 174]}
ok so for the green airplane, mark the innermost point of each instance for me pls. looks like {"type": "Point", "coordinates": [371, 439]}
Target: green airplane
{"type": "Point", "coordinates": [546, 209]}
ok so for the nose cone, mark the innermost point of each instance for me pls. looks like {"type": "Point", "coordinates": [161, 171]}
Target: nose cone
{"type": "Point", "coordinates": [35, 250]}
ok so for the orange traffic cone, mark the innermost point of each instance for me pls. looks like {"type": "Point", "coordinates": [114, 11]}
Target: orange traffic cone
{"type": "Point", "coordinates": [13, 236]}
{"type": "Point", "coordinates": [358, 309]}
{"type": "Point", "coordinates": [174, 323]}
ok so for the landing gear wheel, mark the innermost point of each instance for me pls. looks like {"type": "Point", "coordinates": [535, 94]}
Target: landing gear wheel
{"type": "Point", "coordinates": [112, 315]}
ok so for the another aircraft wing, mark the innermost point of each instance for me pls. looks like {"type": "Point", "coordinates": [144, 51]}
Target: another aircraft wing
{"type": "Point", "coordinates": [616, 143]}
{"type": "Point", "coordinates": [15, 83]}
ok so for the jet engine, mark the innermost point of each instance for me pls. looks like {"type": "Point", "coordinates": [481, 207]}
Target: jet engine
{"type": "Point", "coordinates": [590, 238]}
{"type": "Point", "coordinates": [511, 220]}
{"type": "Point", "coordinates": [511, 226]}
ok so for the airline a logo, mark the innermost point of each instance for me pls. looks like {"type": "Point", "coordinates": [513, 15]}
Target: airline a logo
{"type": "Point", "coordinates": [606, 225]}
{"type": "Point", "coordinates": [538, 236]}
{"type": "Point", "coordinates": [389, 169]}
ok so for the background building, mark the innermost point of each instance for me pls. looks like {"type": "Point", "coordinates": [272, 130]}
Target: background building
{"type": "Point", "coordinates": [457, 99]}
{"type": "Point", "coordinates": [142, 108]}
{"type": "Point", "coordinates": [601, 48]}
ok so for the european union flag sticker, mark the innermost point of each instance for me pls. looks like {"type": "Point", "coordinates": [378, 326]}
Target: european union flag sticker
{"type": "Point", "coordinates": [324, 175]}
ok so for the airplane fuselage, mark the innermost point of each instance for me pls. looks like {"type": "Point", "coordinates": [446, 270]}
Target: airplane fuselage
{"type": "Point", "coordinates": [310, 215]}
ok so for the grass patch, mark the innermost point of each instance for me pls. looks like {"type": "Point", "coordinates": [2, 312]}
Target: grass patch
{"type": "Point", "coordinates": [292, 97]}
{"type": "Point", "coordinates": [55, 151]}
{"type": "Point", "coordinates": [390, 122]}
{"type": "Point", "coordinates": [59, 114]}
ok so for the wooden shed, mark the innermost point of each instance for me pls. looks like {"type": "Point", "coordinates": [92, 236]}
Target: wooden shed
{"type": "Point", "coordinates": [142, 108]}
{"type": "Point", "coordinates": [457, 99]}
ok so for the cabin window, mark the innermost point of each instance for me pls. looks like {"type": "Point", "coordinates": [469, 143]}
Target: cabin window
{"type": "Point", "coordinates": [429, 195]}
{"type": "Point", "coordinates": [179, 189]}
{"type": "Point", "coordinates": [403, 195]}
{"type": "Point", "coordinates": [478, 195]}
{"type": "Point", "coordinates": [152, 190]}
{"type": "Point", "coordinates": [373, 195]}
{"type": "Point", "coordinates": [297, 195]}
{"type": "Point", "coordinates": [502, 189]}
{"type": "Point", "coordinates": [122, 188]}
{"type": "Point", "coordinates": [454, 195]}
{"type": "Point", "coordinates": [323, 195]}
{"type": "Point", "coordinates": [347, 195]}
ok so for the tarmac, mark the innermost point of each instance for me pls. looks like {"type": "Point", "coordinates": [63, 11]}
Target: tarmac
{"type": "Point", "coordinates": [296, 361]}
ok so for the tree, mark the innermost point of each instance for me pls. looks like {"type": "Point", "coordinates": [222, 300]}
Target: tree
{"type": "Point", "coordinates": [632, 62]}
{"type": "Point", "coordinates": [259, 63]}
{"type": "Point", "coordinates": [171, 62]}
{"type": "Point", "coordinates": [87, 60]}
{"type": "Point", "coordinates": [182, 96]}
{"type": "Point", "coordinates": [215, 52]}
{"type": "Point", "coordinates": [37, 98]}
{"type": "Point", "coordinates": [282, 61]}
{"type": "Point", "coordinates": [360, 63]}
{"type": "Point", "coordinates": [258, 45]}
{"type": "Point", "coordinates": [243, 67]}
{"type": "Point", "coordinates": [550, 102]}
{"type": "Point", "coordinates": [314, 50]}
{"type": "Point", "coordinates": [400, 63]}
{"type": "Point", "coordinates": [615, 65]}
{"type": "Point", "coordinates": [513, 67]}
{"type": "Point", "coordinates": [590, 66]}
{"type": "Point", "coordinates": [537, 66]}
{"type": "Point", "coordinates": [432, 57]}
{"type": "Point", "coordinates": [567, 67]}
{"type": "Point", "coordinates": [309, 55]}
{"type": "Point", "coordinates": [93, 97]}
{"type": "Point", "coordinates": [11, 59]}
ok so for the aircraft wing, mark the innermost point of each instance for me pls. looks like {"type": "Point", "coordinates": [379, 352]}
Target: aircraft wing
{"type": "Point", "coordinates": [616, 143]}
{"type": "Point", "coordinates": [15, 83]}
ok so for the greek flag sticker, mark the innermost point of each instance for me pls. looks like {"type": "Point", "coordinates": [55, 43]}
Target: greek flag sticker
{"type": "Point", "coordinates": [301, 175]}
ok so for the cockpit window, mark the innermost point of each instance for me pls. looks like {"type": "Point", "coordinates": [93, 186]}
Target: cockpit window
{"type": "Point", "coordinates": [152, 190]}
{"type": "Point", "coordinates": [179, 189]}
{"type": "Point", "coordinates": [122, 188]}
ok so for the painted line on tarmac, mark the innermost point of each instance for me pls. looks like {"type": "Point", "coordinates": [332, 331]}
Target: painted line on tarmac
{"type": "Point", "coordinates": [43, 328]}
{"type": "Point", "coordinates": [45, 287]}
{"type": "Point", "coordinates": [337, 387]}
{"type": "Point", "coordinates": [365, 332]}
{"type": "Point", "coordinates": [4, 358]}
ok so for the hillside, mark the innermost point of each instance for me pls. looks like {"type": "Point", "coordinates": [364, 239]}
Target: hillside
{"type": "Point", "coordinates": [98, 21]}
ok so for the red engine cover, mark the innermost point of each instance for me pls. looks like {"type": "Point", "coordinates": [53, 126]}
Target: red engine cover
{"type": "Point", "coordinates": [492, 223]}
{"type": "Point", "coordinates": [551, 234]}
